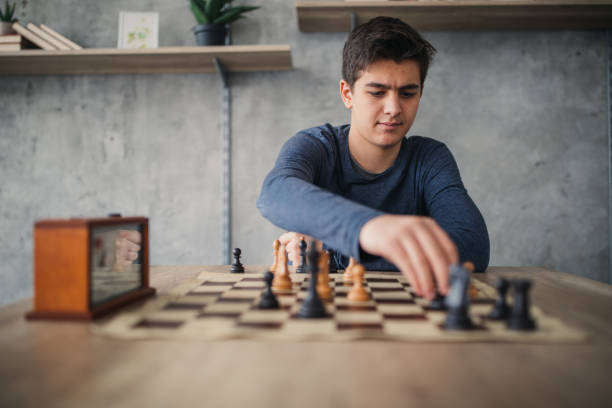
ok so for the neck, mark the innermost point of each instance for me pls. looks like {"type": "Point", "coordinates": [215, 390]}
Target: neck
{"type": "Point", "coordinates": [372, 158]}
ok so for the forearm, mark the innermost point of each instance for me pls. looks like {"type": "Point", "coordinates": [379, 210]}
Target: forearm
{"type": "Point", "coordinates": [298, 205]}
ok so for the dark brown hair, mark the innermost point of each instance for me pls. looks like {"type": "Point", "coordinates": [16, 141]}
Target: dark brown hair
{"type": "Point", "coordinates": [384, 38]}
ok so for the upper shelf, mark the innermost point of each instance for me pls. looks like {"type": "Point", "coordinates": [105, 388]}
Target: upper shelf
{"type": "Point", "coordinates": [455, 15]}
{"type": "Point", "coordinates": [233, 58]}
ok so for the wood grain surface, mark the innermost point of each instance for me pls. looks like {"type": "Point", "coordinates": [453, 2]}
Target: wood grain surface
{"type": "Point", "coordinates": [450, 15]}
{"type": "Point", "coordinates": [63, 364]}
{"type": "Point", "coordinates": [233, 58]}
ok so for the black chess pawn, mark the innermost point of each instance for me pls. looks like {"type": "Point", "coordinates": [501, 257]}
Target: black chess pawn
{"type": "Point", "coordinates": [520, 318]}
{"type": "Point", "coordinates": [312, 306]}
{"type": "Point", "coordinates": [457, 301]}
{"type": "Point", "coordinates": [437, 303]}
{"type": "Point", "coordinates": [268, 298]}
{"type": "Point", "coordinates": [237, 266]}
{"type": "Point", "coordinates": [332, 263]}
{"type": "Point", "coordinates": [500, 310]}
{"type": "Point", "coordinates": [302, 266]}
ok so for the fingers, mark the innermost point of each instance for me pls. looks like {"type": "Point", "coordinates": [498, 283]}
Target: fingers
{"type": "Point", "coordinates": [287, 237]}
{"type": "Point", "coordinates": [127, 247]}
{"type": "Point", "coordinates": [124, 245]}
{"type": "Point", "coordinates": [434, 259]}
{"type": "Point", "coordinates": [416, 245]}
{"type": "Point", "coordinates": [420, 262]}
{"type": "Point", "coordinates": [402, 261]}
{"type": "Point", "coordinates": [291, 241]}
{"type": "Point", "coordinates": [449, 248]}
{"type": "Point", "coordinates": [131, 235]}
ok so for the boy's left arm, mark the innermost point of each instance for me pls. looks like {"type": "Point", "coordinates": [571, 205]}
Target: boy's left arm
{"type": "Point", "coordinates": [449, 204]}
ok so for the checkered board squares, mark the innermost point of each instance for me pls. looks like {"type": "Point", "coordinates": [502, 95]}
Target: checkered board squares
{"type": "Point", "coordinates": [218, 306]}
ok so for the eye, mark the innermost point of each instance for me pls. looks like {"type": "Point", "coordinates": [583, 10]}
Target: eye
{"type": "Point", "coordinates": [376, 93]}
{"type": "Point", "coordinates": [407, 95]}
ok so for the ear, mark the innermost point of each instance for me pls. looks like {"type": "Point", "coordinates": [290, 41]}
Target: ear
{"type": "Point", "coordinates": [346, 94]}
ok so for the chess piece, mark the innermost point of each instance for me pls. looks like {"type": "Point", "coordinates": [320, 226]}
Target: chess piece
{"type": "Point", "coordinates": [323, 288]}
{"type": "Point", "coordinates": [472, 290]}
{"type": "Point", "coordinates": [437, 303]}
{"type": "Point", "coordinates": [312, 306]}
{"type": "Point", "coordinates": [358, 292]}
{"type": "Point", "coordinates": [457, 301]}
{"type": "Point", "coordinates": [268, 298]}
{"type": "Point", "coordinates": [237, 266]}
{"type": "Point", "coordinates": [302, 267]}
{"type": "Point", "coordinates": [520, 319]}
{"type": "Point", "coordinates": [282, 280]}
{"type": "Point", "coordinates": [347, 276]}
{"type": "Point", "coordinates": [500, 310]}
{"type": "Point", "coordinates": [331, 264]}
{"type": "Point", "coordinates": [469, 266]}
{"type": "Point", "coordinates": [275, 247]}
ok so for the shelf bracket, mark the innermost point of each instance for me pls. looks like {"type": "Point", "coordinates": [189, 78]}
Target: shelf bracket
{"type": "Point", "coordinates": [227, 164]}
{"type": "Point", "coordinates": [609, 86]}
{"type": "Point", "coordinates": [353, 21]}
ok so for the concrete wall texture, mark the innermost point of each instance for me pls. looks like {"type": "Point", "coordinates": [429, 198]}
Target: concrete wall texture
{"type": "Point", "coordinates": [525, 114]}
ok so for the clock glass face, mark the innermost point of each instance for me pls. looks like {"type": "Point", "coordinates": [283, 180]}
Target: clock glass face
{"type": "Point", "coordinates": [115, 261]}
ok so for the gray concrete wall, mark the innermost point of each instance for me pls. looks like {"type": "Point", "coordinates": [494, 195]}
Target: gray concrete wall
{"type": "Point", "coordinates": [524, 113]}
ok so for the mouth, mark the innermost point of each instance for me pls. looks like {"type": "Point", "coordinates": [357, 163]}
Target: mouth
{"type": "Point", "coordinates": [389, 125]}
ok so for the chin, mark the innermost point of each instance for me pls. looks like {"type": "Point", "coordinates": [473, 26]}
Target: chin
{"type": "Point", "coordinates": [390, 139]}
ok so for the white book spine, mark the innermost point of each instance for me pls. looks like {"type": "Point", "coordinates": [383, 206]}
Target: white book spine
{"type": "Point", "coordinates": [60, 37]}
{"type": "Point", "coordinates": [57, 44]}
{"type": "Point", "coordinates": [30, 36]}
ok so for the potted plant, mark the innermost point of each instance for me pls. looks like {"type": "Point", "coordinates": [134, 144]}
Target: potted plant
{"type": "Point", "coordinates": [7, 18]}
{"type": "Point", "coordinates": [213, 16]}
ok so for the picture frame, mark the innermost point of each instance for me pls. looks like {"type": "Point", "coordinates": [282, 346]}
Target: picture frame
{"type": "Point", "coordinates": [138, 29]}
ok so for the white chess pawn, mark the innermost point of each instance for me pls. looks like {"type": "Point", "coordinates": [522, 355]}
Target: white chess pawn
{"type": "Point", "coordinates": [358, 292]}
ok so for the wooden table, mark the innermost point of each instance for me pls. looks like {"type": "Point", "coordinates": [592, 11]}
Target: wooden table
{"type": "Point", "coordinates": [60, 364]}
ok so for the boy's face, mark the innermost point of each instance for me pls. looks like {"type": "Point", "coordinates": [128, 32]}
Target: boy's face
{"type": "Point", "coordinates": [383, 102]}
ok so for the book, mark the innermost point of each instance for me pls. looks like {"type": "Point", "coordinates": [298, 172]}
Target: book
{"type": "Point", "coordinates": [48, 38]}
{"type": "Point", "coordinates": [10, 47]}
{"type": "Point", "coordinates": [10, 38]}
{"type": "Point", "coordinates": [30, 36]}
{"type": "Point", "coordinates": [60, 37]}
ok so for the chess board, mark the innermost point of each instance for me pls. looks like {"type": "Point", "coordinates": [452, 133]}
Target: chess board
{"type": "Point", "coordinates": [218, 306]}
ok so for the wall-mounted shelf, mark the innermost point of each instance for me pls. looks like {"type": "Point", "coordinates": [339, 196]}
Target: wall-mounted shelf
{"type": "Point", "coordinates": [233, 58]}
{"type": "Point", "coordinates": [455, 15]}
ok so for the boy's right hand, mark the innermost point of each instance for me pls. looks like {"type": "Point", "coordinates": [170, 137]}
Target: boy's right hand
{"type": "Point", "coordinates": [417, 245]}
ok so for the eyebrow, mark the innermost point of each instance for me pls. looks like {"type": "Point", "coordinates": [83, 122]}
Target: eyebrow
{"type": "Point", "coordinates": [384, 86]}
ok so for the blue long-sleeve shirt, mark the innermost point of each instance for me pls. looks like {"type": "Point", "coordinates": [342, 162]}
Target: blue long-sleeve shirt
{"type": "Point", "coordinates": [316, 188]}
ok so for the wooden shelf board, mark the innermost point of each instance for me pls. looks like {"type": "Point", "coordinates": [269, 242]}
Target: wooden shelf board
{"type": "Point", "coordinates": [459, 15]}
{"type": "Point", "coordinates": [233, 58]}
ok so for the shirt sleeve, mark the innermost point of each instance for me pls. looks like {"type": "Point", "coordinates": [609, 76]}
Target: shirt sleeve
{"type": "Point", "coordinates": [448, 202]}
{"type": "Point", "coordinates": [291, 199]}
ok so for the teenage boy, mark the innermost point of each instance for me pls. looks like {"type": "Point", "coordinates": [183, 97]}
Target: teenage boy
{"type": "Point", "coordinates": [366, 190]}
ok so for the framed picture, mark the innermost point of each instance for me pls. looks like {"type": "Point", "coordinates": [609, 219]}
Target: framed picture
{"type": "Point", "coordinates": [138, 30]}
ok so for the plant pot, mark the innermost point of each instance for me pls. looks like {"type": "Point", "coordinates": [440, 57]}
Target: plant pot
{"type": "Point", "coordinates": [210, 34]}
{"type": "Point", "coordinates": [5, 28]}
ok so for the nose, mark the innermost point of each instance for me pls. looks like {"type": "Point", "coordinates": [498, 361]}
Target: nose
{"type": "Point", "coordinates": [392, 104]}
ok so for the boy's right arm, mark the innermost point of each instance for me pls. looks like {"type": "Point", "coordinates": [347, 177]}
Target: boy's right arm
{"type": "Point", "coordinates": [291, 200]}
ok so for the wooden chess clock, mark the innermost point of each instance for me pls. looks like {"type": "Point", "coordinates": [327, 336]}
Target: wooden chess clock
{"type": "Point", "coordinates": [84, 268]}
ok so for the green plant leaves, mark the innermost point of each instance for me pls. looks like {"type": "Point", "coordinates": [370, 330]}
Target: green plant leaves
{"type": "Point", "coordinates": [197, 8]}
{"type": "Point", "coordinates": [217, 11]}
{"type": "Point", "coordinates": [213, 9]}
{"type": "Point", "coordinates": [233, 13]}
{"type": "Point", "coordinates": [9, 11]}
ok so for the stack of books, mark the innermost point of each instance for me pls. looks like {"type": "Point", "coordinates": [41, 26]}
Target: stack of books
{"type": "Point", "coordinates": [10, 42]}
{"type": "Point", "coordinates": [32, 36]}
